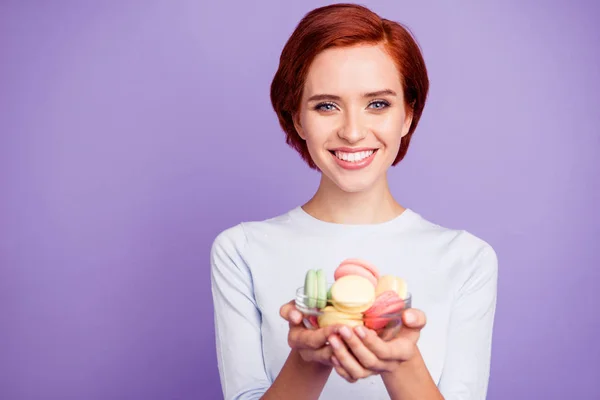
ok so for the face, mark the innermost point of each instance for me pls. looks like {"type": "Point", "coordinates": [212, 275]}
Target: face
{"type": "Point", "coordinates": [352, 115]}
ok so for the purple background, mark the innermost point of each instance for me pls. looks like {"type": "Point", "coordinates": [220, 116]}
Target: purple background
{"type": "Point", "coordinates": [133, 132]}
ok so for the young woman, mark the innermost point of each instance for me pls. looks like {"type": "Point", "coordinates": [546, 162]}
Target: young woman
{"type": "Point", "coordinates": [349, 93]}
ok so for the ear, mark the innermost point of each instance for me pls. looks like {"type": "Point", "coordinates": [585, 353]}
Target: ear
{"type": "Point", "coordinates": [407, 122]}
{"type": "Point", "coordinates": [298, 125]}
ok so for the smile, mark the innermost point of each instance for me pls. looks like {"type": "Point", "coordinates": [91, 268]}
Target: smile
{"type": "Point", "coordinates": [353, 160]}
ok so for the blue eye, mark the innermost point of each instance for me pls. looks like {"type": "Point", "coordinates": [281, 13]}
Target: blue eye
{"type": "Point", "coordinates": [319, 107]}
{"type": "Point", "coordinates": [381, 104]}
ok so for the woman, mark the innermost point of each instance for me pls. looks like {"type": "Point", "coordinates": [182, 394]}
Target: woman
{"type": "Point", "coordinates": [349, 93]}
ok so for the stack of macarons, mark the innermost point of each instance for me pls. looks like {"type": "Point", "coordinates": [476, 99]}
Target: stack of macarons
{"type": "Point", "coordinates": [358, 296]}
{"type": "Point", "coordinates": [315, 289]}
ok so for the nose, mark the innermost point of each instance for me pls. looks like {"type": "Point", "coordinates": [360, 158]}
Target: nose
{"type": "Point", "coordinates": [352, 129]}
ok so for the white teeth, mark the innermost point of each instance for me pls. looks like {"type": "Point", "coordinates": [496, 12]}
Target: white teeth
{"type": "Point", "coordinates": [353, 157]}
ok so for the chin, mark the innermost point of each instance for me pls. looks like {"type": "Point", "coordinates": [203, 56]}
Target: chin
{"type": "Point", "coordinates": [353, 185]}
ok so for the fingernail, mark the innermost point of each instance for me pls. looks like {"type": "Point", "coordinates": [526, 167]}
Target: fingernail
{"type": "Point", "coordinates": [333, 341]}
{"type": "Point", "coordinates": [360, 331]}
{"type": "Point", "coordinates": [295, 316]}
{"type": "Point", "coordinates": [345, 332]}
{"type": "Point", "coordinates": [410, 317]}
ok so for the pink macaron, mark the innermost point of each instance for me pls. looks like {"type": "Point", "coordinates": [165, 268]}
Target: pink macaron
{"type": "Point", "coordinates": [354, 266]}
{"type": "Point", "coordinates": [385, 304]}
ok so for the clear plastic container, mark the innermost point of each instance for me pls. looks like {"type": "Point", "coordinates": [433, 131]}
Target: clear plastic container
{"type": "Point", "coordinates": [386, 325]}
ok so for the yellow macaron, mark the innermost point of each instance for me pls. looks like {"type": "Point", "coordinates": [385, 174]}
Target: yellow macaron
{"type": "Point", "coordinates": [393, 283]}
{"type": "Point", "coordinates": [352, 294]}
{"type": "Point", "coordinates": [331, 316]}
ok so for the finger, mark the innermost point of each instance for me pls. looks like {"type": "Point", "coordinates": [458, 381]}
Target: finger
{"type": "Point", "coordinates": [414, 318]}
{"type": "Point", "coordinates": [413, 321]}
{"type": "Point", "coordinates": [300, 337]}
{"type": "Point", "coordinates": [289, 312]}
{"type": "Point", "coordinates": [341, 371]}
{"type": "Point", "coordinates": [398, 349]}
{"type": "Point", "coordinates": [346, 359]}
{"type": "Point", "coordinates": [363, 355]}
{"type": "Point", "coordinates": [322, 355]}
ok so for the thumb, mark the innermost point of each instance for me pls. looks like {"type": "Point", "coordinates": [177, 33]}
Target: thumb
{"type": "Point", "coordinates": [289, 312]}
{"type": "Point", "coordinates": [413, 321]}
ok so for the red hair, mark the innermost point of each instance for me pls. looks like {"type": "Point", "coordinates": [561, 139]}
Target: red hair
{"type": "Point", "coordinates": [343, 25]}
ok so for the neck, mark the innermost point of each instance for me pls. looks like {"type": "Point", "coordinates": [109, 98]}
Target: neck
{"type": "Point", "coordinates": [371, 206]}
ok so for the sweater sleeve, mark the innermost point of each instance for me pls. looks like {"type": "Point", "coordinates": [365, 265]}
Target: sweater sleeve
{"type": "Point", "coordinates": [237, 319]}
{"type": "Point", "coordinates": [467, 364]}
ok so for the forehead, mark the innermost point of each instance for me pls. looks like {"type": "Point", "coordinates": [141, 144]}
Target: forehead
{"type": "Point", "coordinates": [352, 70]}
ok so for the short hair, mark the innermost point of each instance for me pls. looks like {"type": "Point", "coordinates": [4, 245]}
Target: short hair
{"type": "Point", "coordinates": [344, 25]}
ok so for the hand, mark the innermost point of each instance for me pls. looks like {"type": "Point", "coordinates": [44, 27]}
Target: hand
{"type": "Point", "coordinates": [311, 344]}
{"type": "Point", "coordinates": [367, 354]}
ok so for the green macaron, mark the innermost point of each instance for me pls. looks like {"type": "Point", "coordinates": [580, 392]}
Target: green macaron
{"type": "Point", "coordinates": [310, 288]}
{"type": "Point", "coordinates": [315, 288]}
{"type": "Point", "coordinates": [321, 289]}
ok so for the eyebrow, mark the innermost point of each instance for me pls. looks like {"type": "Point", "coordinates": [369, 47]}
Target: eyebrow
{"type": "Point", "coordinates": [384, 92]}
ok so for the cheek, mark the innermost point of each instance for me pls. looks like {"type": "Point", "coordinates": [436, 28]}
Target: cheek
{"type": "Point", "coordinates": [318, 131]}
{"type": "Point", "coordinates": [390, 129]}
{"type": "Point", "coordinates": [315, 139]}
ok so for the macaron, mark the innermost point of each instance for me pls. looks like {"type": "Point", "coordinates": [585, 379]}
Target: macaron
{"type": "Point", "coordinates": [386, 304]}
{"type": "Point", "coordinates": [390, 282]}
{"type": "Point", "coordinates": [321, 289]}
{"type": "Point", "coordinates": [315, 288]}
{"type": "Point", "coordinates": [331, 316]}
{"type": "Point", "coordinates": [355, 266]}
{"type": "Point", "coordinates": [352, 294]}
{"type": "Point", "coordinates": [310, 288]}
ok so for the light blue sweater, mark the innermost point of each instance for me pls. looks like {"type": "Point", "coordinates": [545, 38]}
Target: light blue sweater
{"type": "Point", "coordinates": [257, 266]}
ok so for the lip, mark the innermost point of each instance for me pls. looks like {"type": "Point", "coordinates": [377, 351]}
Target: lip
{"type": "Point", "coordinates": [352, 149]}
{"type": "Point", "coordinates": [355, 164]}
